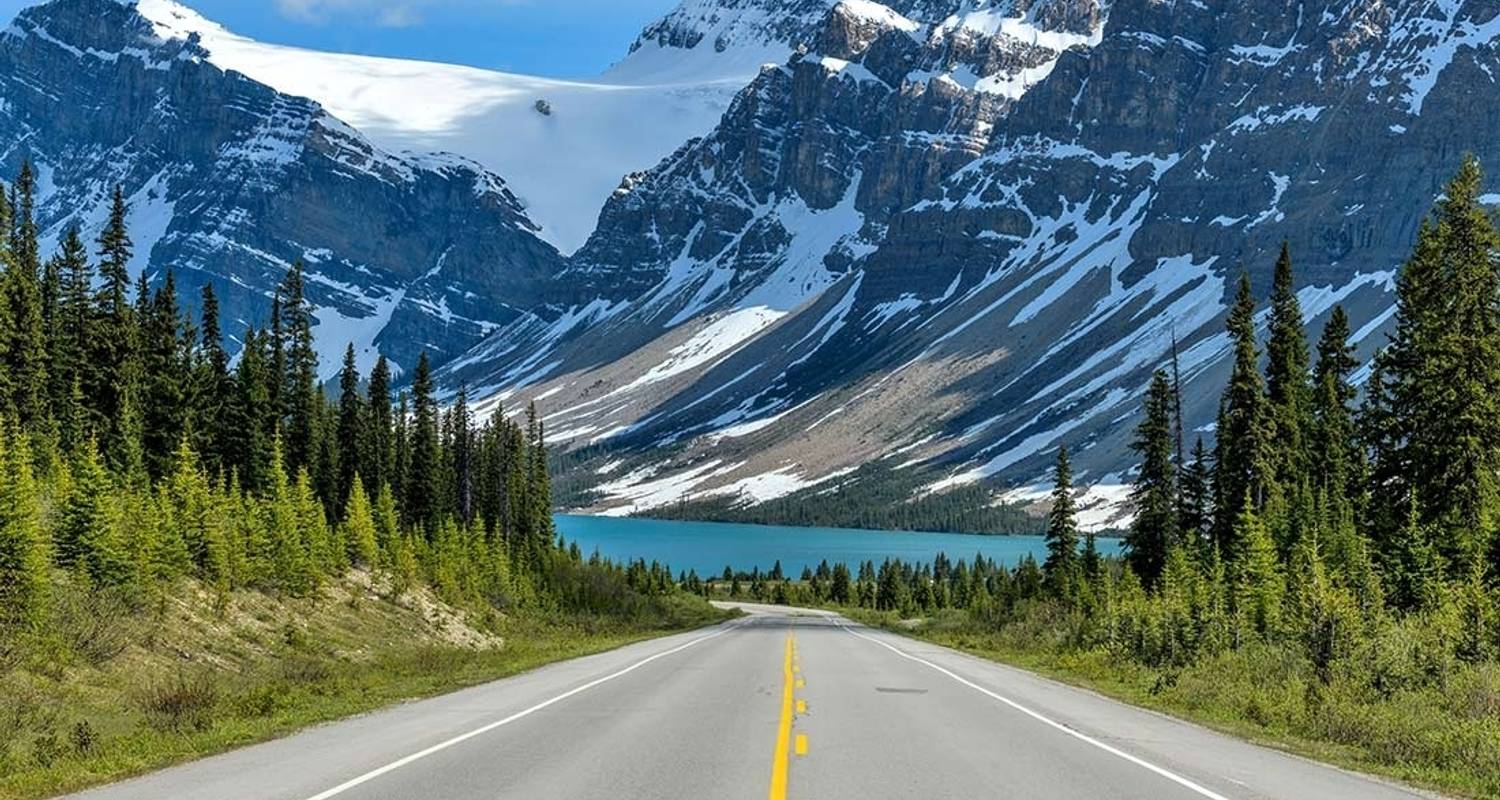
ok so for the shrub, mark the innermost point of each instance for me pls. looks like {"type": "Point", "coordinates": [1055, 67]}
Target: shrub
{"type": "Point", "coordinates": [183, 702]}
{"type": "Point", "coordinates": [46, 749]}
{"type": "Point", "coordinates": [95, 624]}
{"type": "Point", "coordinates": [83, 738]}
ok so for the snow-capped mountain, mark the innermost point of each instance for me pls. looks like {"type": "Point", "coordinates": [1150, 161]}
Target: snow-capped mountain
{"type": "Point", "coordinates": [562, 146]}
{"type": "Point", "coordinates": [947, 236]}
{"type": "Point", "coordinates": [230, 182]}
{"type": "Point", "coordinates": [937, 236]}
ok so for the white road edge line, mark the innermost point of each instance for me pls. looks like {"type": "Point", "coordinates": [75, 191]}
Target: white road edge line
{"type": "Point", "coordinates": [399, 763]}
{"type": "Point", "coordinates": [1083, 737]}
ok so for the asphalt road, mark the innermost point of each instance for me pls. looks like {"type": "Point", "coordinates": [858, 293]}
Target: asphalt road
{"type": "Point", "coordinates": [778, 704]}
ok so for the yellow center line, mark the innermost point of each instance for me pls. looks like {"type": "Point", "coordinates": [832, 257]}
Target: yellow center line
{"type": "Point", "coordinates": [784, 728]}
{"type": "Point", "coordinates": [801, 744]}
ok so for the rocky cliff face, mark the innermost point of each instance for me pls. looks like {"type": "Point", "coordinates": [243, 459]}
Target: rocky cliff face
{"type": "Point", "coordinates": [949, 237]}
{"type": "Point", "coordinates": [939, 236]}
{"type": "Point", "coordinates": [230, 182]}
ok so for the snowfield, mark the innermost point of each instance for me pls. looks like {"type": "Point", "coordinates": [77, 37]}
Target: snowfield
{"type": "Point", "coordinates": [561, 146]}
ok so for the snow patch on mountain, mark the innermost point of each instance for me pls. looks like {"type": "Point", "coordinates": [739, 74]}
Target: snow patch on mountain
{"type": "Point", "coordinates": [720, 337]}
{"type": "Point", "coordinates": [562, 164]}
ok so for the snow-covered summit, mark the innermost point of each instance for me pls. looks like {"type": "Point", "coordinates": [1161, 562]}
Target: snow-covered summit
{"type": "Point", "coordinates": [562, 146]}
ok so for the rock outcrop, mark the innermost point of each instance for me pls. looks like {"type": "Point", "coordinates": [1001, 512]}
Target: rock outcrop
{"type": "Point", "coordinates": [230, 183]}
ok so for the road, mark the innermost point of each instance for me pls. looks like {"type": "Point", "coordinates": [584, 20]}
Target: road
{"type": "Point", "coordinates": [778, 704]}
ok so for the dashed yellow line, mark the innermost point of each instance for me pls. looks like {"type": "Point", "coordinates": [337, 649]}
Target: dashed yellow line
{"type": "Point", "coordinates": [801, 706]}
{"type": "Point", "coordinates": [784, 728]}
{"type": "Point", "coordinates": [801, 744]}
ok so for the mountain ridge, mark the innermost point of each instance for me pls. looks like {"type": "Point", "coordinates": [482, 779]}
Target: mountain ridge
{"type": "Point", "coordinates": [942, 237]}
{"type": "Point", "coordinates": [1017, 267]}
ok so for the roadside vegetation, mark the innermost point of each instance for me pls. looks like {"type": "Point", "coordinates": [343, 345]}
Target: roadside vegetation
{"type": "Point", "coordinates": [194, 557]}
{"type": "Point", "coordinates": [1324, 580]}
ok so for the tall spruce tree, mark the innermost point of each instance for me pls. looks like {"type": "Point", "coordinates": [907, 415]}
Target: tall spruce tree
{"type": "Point", "coordinates": [461, 456]}
{"type": "Point", "coordinates": [378, 446]}
{"type": "Point", "coordinates": [423, 490]}
{"type": "Point", "coordinates": [1443, 371]}
{"type": "Point", "coordinates": [1195, 509]}
{"type": "Point", "coordinates": [351, 425]}
{"type": "Point", "coordinates": [1062, 567]}
{"type": "Point", "coordinates": [214, 388]}
{"type": "Point", "coordinates": [1244, 461]}
{"type": "Point", "coordinates": [165, 379]}
{"type": "Point", "coordinates": [71, 367]}
{"type": "Point", "coordinates": [1287, 380]}
{"type": "Point", "coordinates": [1154, 531]}
{"type": "Point", "coordinates": [24, 356]}
{"type": "Point", "coordinates": [300, 376]}
{"type": "Point", "coordinates": [253, 418]}
{"type": "Point", "coordinates": [1336, 463]}
{"type": "Point", "coordinates": [111, 383]}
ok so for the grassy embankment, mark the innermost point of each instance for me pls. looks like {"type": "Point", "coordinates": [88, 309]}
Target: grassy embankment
{"type": "Point", "coordinates": [121, 693]}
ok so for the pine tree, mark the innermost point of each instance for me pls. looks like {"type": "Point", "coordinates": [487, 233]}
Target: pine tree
{"type": "Point", "coordinates": [214, 393]}
{"type": "Point", "coordinates": [1287, 380]}
{"type": "Point", "coordinates": [351, 426]}
{"type": "Point", "coordinates": [24, 357]}
{"type": "Point", "coordinates": [59, 388]}
{"type": "Point", "coordinates": [164, 379]}
{"type": "Point", "coordinates": [288, 564]}
{"type": "Point", "coordinates": [422, 489]}
{"type": "Point", "coordinates": [24, 247]}
{"type": "Point", "coordinates": [70, 368]}
{"type": "Point", "coordinates": [204, 540]}
{"type": "Point", "coordinates": [461, 456]}
{"type": "Point", "coordinates": [538, 482]}
{"type": "Point", "coordinates": [1443, 369]}
{"type": "Point", "coordinates": [387, 526]}
{"type": "Point", "coordinates": [326, 459]}
{"type": "Point", "coordinates": [401, 447]}
{"type": "Point", "coordinates": [87, 538]}
{"type": "Point", "coordinates": [253, 419]}
{"type": "Point", "coordinates": [7, 263]}
{"type": "Point", "coordinates": [1336, 465]}
{"type": "Point", "coordinates": [110, 382]}
{"type": "Point", "coordinates": [1244, 429]}
{"type": "Point", "coordinates": [300, 376]}
{"type": "Point", "coordinates": [1093, 561]}
{"type": "Point", "coordinates": [1255, 571]}
{"type": "Point", "coordinates": [1195, 507]}
{"type": "Point", "coordinates": [1062, 566]}
{"type": "Point", "coordinates": [360, 533]}
{"type": "Point", "coordinates": [1413, 568]}
{"type": "Point", "coordinates": [23, 547]}
{"type": "Point", "coordinates": [379, 459]}
{"type": "Point", "coordinates": [1153, 532]}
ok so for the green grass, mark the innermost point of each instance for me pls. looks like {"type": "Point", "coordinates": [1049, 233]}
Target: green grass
{"type": "Point", "coordinates": [198, 680]}
{"type": "Point", "coordinates": [1447, 740]}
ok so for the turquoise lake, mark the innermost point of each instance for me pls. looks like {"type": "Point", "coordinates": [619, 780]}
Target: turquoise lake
{"type": "Point", "coordinates": [710, 546]}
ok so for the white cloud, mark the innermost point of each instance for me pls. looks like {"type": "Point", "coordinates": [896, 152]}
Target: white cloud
{"type": "Point", "coordinates": [386, 13]}
{"type": "Point", "coordinates": [399, 17]}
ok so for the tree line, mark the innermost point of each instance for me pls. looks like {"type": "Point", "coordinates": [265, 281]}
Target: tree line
{"type": "Point", "coordinates": [135, 451]}
{"type": "Point", "coordinates": [1360, 536]}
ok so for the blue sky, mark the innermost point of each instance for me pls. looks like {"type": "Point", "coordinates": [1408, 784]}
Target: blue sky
{"type": "Point", "coordinates": [560, 38]}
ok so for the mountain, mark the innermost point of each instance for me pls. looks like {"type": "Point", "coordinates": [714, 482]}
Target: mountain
{"type": "Point", "coordinates": [562, 146]}
{"type": "Point", "coordinates": [899, 248]}
{"type": "Point", "coordinates": [946, 236]}
{"type": "Point", "coordinates": [229, 182]}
